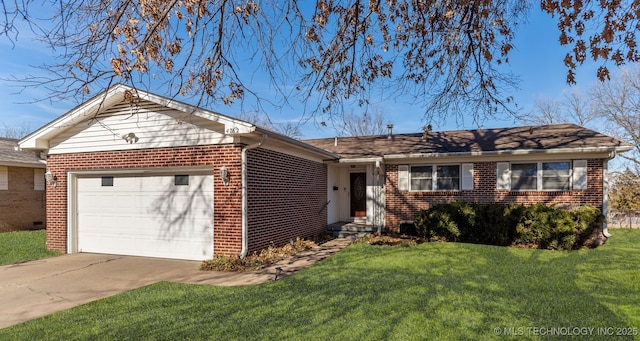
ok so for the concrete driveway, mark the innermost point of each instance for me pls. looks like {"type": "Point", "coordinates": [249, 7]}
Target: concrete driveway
{"type": "Point", "coordinates": [38, 288]}
{"type": "Point", "coordinates": [42, 287]}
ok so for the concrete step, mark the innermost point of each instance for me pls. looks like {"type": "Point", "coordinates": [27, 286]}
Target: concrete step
{"type": "Point", "coordinates": [352, 228]}
{"type": "Point", "coordinates": [350, 235]}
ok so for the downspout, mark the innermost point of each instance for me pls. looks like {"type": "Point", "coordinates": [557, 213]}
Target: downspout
{"type": "Point", "coordinates": [245, 202]}
{"type": "Point", "coordinates": [605, 194]}
{"type": "Point", "coordinates": [377, 212]}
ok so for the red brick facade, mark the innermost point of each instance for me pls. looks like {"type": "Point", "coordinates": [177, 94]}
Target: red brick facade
{"type": "Point", "coordinates": [287, 198]}
{"type": "Point", "coordinates": [21, 207]}
{"type": "Point", "coordinates": [280, 206]}
{"type": "Point", "coordinates": [403, 206]}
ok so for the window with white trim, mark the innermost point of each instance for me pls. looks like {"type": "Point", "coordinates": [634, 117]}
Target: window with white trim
{"type": "Point", "coordinates": [448, 177]}
{"type": "Point", "coordinates": [556, 176]}
{"type": "Point", "coordinates": [542, 176]}
{"type": "Point", "coordinates": [437, 177]}
{"type": "Point", "coordinates": [524, 176]}
{"type": "Point", "coordinates": [421, 178]}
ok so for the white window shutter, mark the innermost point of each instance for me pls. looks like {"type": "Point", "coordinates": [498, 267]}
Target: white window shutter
{"type": "Point", "coordinates": [38, 179]}
{"type": "Point", "coordinates": [504, 176]}
{"type": "Point", "coordinates": [4, 178]}
{"type": "Point", "coordinates": [403, 177]}
{"type": "Point", "coordinates": [467, 177]}
{"type": "Point", "coordinates": [579, 175]}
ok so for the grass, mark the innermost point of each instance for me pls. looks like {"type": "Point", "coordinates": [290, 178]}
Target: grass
{"type": "Point", "coordinates": [429, 291]}
{"type": "Point", "coordinates": [17, 247]}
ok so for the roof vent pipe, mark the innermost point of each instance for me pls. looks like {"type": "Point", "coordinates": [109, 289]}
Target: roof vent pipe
{"type": "Point", "coordinates": [335, 141]}
{"type": "Point", "coordinates": [389, 130]}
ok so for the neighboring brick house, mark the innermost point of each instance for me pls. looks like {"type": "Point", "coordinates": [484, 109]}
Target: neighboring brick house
{"type": "Point", "coordinates": [404, 173]}
{"type": "Point", "coordinates": [22, 190]}
{"type": "Point", "coordinates": [138, 174]}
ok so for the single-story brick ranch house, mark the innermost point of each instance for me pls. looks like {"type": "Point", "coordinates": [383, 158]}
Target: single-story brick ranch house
{"type": "Point", "coordinates": [22, 189]}
{"type": "Point", "coordinates": [139, 174]}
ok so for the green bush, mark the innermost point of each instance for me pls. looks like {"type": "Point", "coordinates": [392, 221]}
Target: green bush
{"type": "Point", "coordinates": [538, 225]}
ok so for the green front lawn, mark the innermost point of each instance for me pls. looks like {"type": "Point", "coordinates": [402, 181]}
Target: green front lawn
{"type": "Point", "coordinates": [17, 247]}
{"type": "Point", "coordinates": [430, 291]}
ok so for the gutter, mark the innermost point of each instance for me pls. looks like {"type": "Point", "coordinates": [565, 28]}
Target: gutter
{"type": "Point", "coordinates": [511, 152]}
{"type": "Point", "coordinates": [245, 202]}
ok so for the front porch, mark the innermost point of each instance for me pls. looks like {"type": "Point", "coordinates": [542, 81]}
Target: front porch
{"type": "Point", "coordinates": [350, 229]}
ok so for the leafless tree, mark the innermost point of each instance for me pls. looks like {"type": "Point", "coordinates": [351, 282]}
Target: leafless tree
{"type": "Point", "coordinates": [15, 131]}
{"type": "Point", "coordinates": [572, 107]}
{"type": "Point", "coordinates": [618, 101]}
{"type": "Point", "coordinates": [290, 129]}
{"type": "Point", "coordinates": [445, 54]}
{"type": "Point", "coordinates": [372, 122]}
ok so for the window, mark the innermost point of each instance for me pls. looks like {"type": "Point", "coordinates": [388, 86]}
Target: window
{"type": "Point", "coordinates": [421, 178]}
{"type": "Point", "coordinates": [524, 176]}
{"type": "Point", "coordinates": [542, 176]}
{"type": "Point", "coordinates": [181, 180]}
{"type": "Point", "coordinates": [107, 181]}
{"type": "Point", "coordinates": [556, 176]}
{"type": "Point", "coordinates": [435, 178]}
{"type": "Point", "coordinates": [448, 178]}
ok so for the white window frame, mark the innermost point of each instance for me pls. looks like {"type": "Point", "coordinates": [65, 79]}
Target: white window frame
{"type": "Point", "coordinates": [465, 171]}
{"type": "Point", "coordinates": [577, 176]}
{"type": "Point", "coordinates": [432, 178]}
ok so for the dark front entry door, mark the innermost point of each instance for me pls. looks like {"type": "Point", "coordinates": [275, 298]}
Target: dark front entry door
{"type": "Point", "coordinates": [358, 194]}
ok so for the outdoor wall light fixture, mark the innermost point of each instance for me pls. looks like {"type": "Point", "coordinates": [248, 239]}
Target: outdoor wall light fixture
{"type": "Point", "coordinates": [130, 138]}
{"type": "Point", "coordinates": [224, 175]}
{"type": "Point", "coordinates": [51, 179]}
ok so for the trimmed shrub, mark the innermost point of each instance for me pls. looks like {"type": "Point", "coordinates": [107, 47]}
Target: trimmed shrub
{"type": "Point", "coordinates": [538, 225]}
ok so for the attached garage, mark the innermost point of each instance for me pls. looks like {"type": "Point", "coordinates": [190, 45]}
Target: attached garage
{"type": "Point", "coordinates": [133, 173]}
{"type": "Point", "coordinates": [157, 215]}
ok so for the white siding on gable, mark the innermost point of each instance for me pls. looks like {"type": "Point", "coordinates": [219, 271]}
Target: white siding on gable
{"type": "Point", "coordinates": [4, 178]}
{"type": "Point", "coordinates": [403, 177]}
{"type": "Point", "coordinates": [38, 179]}
{"type": "Point", "coordinates": [467, 176]}
{"type": "Point", "coordinates": [503, 176]}
{"type": "Point", "coordinates": [579, 175]}
{"type": "Point", "coordinates": [154, 126]}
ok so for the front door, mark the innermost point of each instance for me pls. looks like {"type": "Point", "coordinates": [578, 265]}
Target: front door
{"type": "Point", "coordinates": [358, 187]}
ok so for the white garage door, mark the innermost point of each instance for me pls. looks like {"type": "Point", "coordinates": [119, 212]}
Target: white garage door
{"type": "Point", "coordinates": [168, 216]}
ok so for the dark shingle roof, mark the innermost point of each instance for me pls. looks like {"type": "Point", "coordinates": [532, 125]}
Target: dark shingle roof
{"type": "Point", "coordinates": [9, 156]}
{"type": "Point", "coordinates": [541, 138]}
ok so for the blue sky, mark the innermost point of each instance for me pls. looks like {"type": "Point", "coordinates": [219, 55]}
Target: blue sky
{"type": "Point", "coordinates": [537, 60]}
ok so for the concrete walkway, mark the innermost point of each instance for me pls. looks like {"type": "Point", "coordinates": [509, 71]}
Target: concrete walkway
{"type": "Point", "coordinates": [42, 287]}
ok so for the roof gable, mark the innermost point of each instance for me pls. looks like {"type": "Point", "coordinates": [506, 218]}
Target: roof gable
{"type": "Point", "coordinates": [104, 122]}
{"type": "Point", "coordinates": [132, 106]}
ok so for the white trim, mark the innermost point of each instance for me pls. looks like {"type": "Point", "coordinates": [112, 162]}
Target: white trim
{"type": "Point", "coordinates": [434, 177]}
{"type": "Point", "coordinates": [38, 179]}
{"type": "Point", "coordinates": [358, 160]}
{"type": "Point", "coordinates": [510, 152]}
{"type": "Point", "coordinates": [403, 177]}
{"type": "Point", "coordinates": [503, 176]}
{"type": "Point", "coordinates": [42, 164]}
{"type": "Point", "coordinates": [580, 175]}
